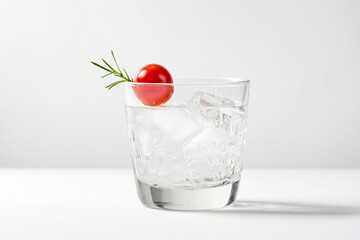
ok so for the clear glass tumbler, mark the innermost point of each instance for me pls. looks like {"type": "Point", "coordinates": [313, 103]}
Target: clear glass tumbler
{"type": "Point", "coordinates": [187, 153]}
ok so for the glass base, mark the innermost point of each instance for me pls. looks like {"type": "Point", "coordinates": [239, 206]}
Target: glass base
{"type": "Point", "coordinates": [187, 199]}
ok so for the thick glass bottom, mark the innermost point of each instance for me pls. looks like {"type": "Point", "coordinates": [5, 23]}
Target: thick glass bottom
{"type": "Point", "coordinates": [187, 199]}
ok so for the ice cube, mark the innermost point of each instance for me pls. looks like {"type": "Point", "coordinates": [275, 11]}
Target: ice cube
{"type": "Point", "coordinates": [210, 156]}
{"type": "Point", "coordinates": [216, 111]}
{"type": "Point", "coordinates": [205, 99]}
{"type": "Point", "coordinates": [162, 131]}
{"type": "Point", "coordinates": [176, 124]}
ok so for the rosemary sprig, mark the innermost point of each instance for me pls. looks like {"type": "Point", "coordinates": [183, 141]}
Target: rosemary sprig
{"type": "Point", "coordinates": [111, 71]}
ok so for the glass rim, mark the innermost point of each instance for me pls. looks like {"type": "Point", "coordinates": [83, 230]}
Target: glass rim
{"type": "Point", "coordinates": [214, 82]}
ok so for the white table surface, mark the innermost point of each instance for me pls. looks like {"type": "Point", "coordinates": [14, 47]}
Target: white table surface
{"type": "Point", "coordinates": [102, 204]}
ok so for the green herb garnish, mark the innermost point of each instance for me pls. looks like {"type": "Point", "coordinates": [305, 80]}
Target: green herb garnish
{"type": "Point", "coordinates": [111, 71]}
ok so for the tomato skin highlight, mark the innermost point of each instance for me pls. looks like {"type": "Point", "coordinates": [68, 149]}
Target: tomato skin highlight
{"type": "Point", "coordinates": [153, 94]}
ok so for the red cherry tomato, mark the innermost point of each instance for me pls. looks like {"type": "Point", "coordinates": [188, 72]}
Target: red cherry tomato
{"type": "Point", "coordinates": [153, 94]}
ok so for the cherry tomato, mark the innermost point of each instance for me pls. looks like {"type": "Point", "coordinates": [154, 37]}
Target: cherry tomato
{"type": "Point", "coordinates": [153, 94]}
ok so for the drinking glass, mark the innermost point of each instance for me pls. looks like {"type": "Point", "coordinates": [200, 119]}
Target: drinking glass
{"type": "Point", "coordinates": [187, 153]}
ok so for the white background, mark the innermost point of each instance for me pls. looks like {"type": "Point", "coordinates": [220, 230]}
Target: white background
{"type": "Point", "coordinates": [303, 58]}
